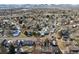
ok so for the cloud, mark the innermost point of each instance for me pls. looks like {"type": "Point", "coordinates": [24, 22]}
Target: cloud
{"type": "Point", "coordinates": [39, 1]}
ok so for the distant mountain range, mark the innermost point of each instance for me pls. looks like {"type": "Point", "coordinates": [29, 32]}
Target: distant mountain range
{"type": "Point", "coordinates": [12, 6]}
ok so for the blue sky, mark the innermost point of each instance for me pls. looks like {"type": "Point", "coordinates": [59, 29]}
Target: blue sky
{"type": "Point", "coordinates": [39, 2]}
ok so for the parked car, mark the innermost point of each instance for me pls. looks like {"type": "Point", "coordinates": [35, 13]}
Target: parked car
{"type": "Point", "coordinates": [65, 34]}
{"type": "Point", "coordinates": [17, 43]}
{"type": "Point", "coordinates": [53, 43]}
{"type": "Point", "coordinates": [28, 33]}
{"type": "Point", "coordinates": [29, 43]}
{"type": "Point", "coordinates": [24, 43]}
{"type": "Point", "coordinates": [5, 43]}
